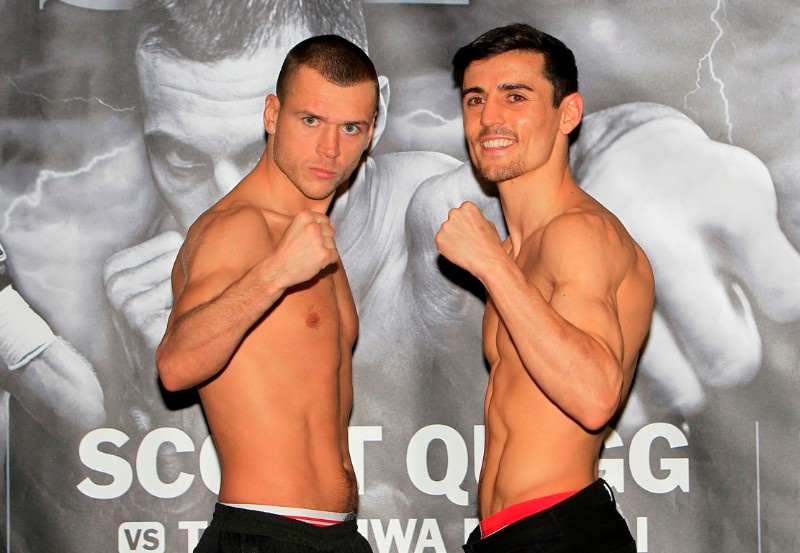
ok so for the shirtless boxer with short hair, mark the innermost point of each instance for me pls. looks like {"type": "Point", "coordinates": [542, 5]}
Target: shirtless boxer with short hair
{"type": "Point", "coordinates": [264, 322]}
{"type": "Point", "coordinates": [570, 297]}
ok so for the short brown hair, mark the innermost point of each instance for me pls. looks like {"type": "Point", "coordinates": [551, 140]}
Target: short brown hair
{"type": "Point", "coordinates": [335, 58]}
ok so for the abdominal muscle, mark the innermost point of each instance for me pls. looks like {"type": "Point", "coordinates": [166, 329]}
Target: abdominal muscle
{"type": "Point", "coordinates": [276, 411]}
{"type": "Point", "coordinates": [532, 448]}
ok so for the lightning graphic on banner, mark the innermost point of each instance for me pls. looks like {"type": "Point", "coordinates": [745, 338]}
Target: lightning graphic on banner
{"type": "Point", "coordinates": [708, 59]}
{"type": "Point", "coordinates": [34, 198]}
{"type": "Point", "coordinates": [67, 100]}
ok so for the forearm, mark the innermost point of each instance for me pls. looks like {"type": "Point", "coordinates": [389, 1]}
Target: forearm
{"type": "Point", "coordinates": [59, 389]}
{"type": "Point", "coordinates": [52, 381]}
{"type": "Point", "coordinates": [200, 342]}
{"type": "Point", "coordinates": [576, 370]}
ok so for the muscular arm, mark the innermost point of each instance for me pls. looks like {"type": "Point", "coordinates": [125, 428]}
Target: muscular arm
{"type": "Point", "coordinates": [570, 344]}
{"type": "Point", "coordinates": [52, 381]}
{"type": "Point", "coordinates": [228, 275]}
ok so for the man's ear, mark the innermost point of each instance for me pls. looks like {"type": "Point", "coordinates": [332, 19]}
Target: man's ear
{"type": "Point", "coordinates": [383, 107]}
{"type": "Point", "coordinates": [271, 108]}
{"type": "Point", "coordinates": [571, 112]}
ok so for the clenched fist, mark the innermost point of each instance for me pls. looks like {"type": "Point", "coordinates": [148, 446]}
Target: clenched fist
{"type": "Point", "coordinates": [137, 283]}
{"type": "Point", "coordinates": [468, 239]}
{"type": "Point", "coordinates": [306, 247]}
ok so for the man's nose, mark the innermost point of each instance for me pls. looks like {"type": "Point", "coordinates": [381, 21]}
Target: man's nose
{"type": "Point", "coordinates": [492, 113]}
{"type": "Point", "coordinates": [227, 175]}
{"type": "Point", "coordinates": [328, 144]}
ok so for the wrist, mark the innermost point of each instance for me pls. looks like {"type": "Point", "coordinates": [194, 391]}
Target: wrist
{"type": "Point", "coordinates": [23, 333]}
{"type": "Point", "coordinates": [272, 282]}
{"type": "Point", "coordinates": [493, 271]}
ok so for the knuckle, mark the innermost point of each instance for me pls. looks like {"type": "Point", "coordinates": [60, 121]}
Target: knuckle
{"type": "Point", "coordinates": [112, 266]}
{"type": "Point", "coordinates": [135, 316]}
{"type": "Point", "coordinates": [116, 289]}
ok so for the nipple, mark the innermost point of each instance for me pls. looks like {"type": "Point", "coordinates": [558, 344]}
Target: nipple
{"type": "Point", "coordinates": [312, 320]}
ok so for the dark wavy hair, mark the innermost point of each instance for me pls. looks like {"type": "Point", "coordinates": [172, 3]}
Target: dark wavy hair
{"type": "Point", "coordinates": [559, 62]}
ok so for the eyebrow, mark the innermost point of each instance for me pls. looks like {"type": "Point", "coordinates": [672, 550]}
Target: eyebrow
{"type": "Point", "coordinates": [502, 87]}
{"type": "Point", "coordinates": [163, 140]}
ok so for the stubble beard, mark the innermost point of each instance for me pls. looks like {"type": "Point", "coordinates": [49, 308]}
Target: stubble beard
{"type": "Point", "coordinates": [503, 173]}
{"type": "Point", "coordinates": [293, 172]}
{"type": "Point", "coordinates": [511, 169]}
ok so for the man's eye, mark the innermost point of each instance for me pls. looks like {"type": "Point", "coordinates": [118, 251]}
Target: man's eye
{"type": "Point", "coordinates": [311, 121]}
{"type": "Point", "coordinates": [350, 129]}
{"type": "Point", "coordinates": [182, 159]}
{"type": "Point", "coordinates": [474, 101]}
{"type": "Point", "coordinates": [513, 98]}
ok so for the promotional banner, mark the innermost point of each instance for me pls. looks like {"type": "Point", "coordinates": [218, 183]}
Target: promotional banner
{"type": "Point", "coordinates": [111, 149]}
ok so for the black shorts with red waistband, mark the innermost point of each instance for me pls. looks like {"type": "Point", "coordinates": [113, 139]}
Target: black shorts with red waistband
{"type": "Point", "coordinates": [586, 521]}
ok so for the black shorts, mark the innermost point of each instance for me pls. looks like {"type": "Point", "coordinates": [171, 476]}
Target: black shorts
{"type": "Point", "coordinates": [586, 521]}
{"type": "Point", "coordinates": [235, 530]}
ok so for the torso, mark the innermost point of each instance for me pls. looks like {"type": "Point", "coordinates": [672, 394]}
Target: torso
{"type": "Point", "coordinates": [532, 448]}
{"type": "Point", "coordinates": [278, 412]}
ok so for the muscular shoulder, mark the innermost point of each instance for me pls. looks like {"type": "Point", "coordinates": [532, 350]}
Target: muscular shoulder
{"type": "Point", "coordinates": [225, 239]}
{"type": "Point", "coordinates": [588, 244]}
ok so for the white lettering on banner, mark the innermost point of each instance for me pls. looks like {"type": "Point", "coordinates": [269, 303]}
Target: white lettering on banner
{"type": "Point", "coordinates": [640, 451]}
{"type": "Point", "coordinates": [457, 461]}
{"type": "Point", "coordinates": [390, 536]}
{"type": "Point", "coordinates": [149, 456]}
{"type": "Point", "coordinates": [209, 466]}
{"type": "Point", "coordinates": [393, 534]}
{"type": "Point", "coordinates": [641, 535]}
{"type": "Point", "coordinates": [147, 463]}
{"type": "Point", "coordinates": [479, 437]}
{"type": "Point", "coordinates": [429, 535]}
{"type": "Point", "coordinates": [91, 456]}
{"type": "Point", "coordinates": [357, 436]}
{"type": "Point", "coordinates": [639, 455]}
{"type": "Point", "coordinates": [613, 470]}
{"type": "Point", "coordinates": [194, 529]}
{"type": "Point", "coordinates": [469, 525]}
{"type": "Point", "coordinates": [140, 537]}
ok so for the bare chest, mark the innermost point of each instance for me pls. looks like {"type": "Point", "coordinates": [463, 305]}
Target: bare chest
{"type": "Point", "coordinates": [321, 311]}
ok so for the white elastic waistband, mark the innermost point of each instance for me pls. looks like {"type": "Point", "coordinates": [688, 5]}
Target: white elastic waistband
{"type": "Point", "coordinates": [318, 518]}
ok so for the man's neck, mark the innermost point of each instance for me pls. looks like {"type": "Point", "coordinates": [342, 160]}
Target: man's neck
{"type": "Point", "coordinates": [532, 200]}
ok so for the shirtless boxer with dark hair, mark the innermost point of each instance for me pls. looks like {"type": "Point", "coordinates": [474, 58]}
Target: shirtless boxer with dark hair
{"type": "Point", "coordinates": [264, 321]}
{"type": "Point", "coordinates": [570, 298]}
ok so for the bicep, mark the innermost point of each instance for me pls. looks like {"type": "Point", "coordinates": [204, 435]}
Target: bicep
{"type": "Point", "coordinates": [586, 267]}
{"type": "Point", "coordinates": [593, 311]}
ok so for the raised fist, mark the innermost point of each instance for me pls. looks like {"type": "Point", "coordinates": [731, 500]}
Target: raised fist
{"type": "Point", "coordinates": [468, 239]}
{"type": "Point", "coordinates": [306, 247]}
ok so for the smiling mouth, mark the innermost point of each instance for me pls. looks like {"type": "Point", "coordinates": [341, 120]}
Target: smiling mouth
{"type": "Point", "coordinates": [497, 143]}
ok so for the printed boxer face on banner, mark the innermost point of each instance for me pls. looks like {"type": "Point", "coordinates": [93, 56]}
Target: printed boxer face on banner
{"type": "Point", "coordinates": [203, 122]}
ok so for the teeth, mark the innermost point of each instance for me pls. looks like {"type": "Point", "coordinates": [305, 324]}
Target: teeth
{"type": "Point", "coordinates": [497, 143]}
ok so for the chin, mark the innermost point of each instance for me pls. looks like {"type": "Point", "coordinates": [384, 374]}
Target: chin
{"type": "Point", "coordinates": [501, 173]}
{"type": "Point", "coordinates": [318, 195]}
